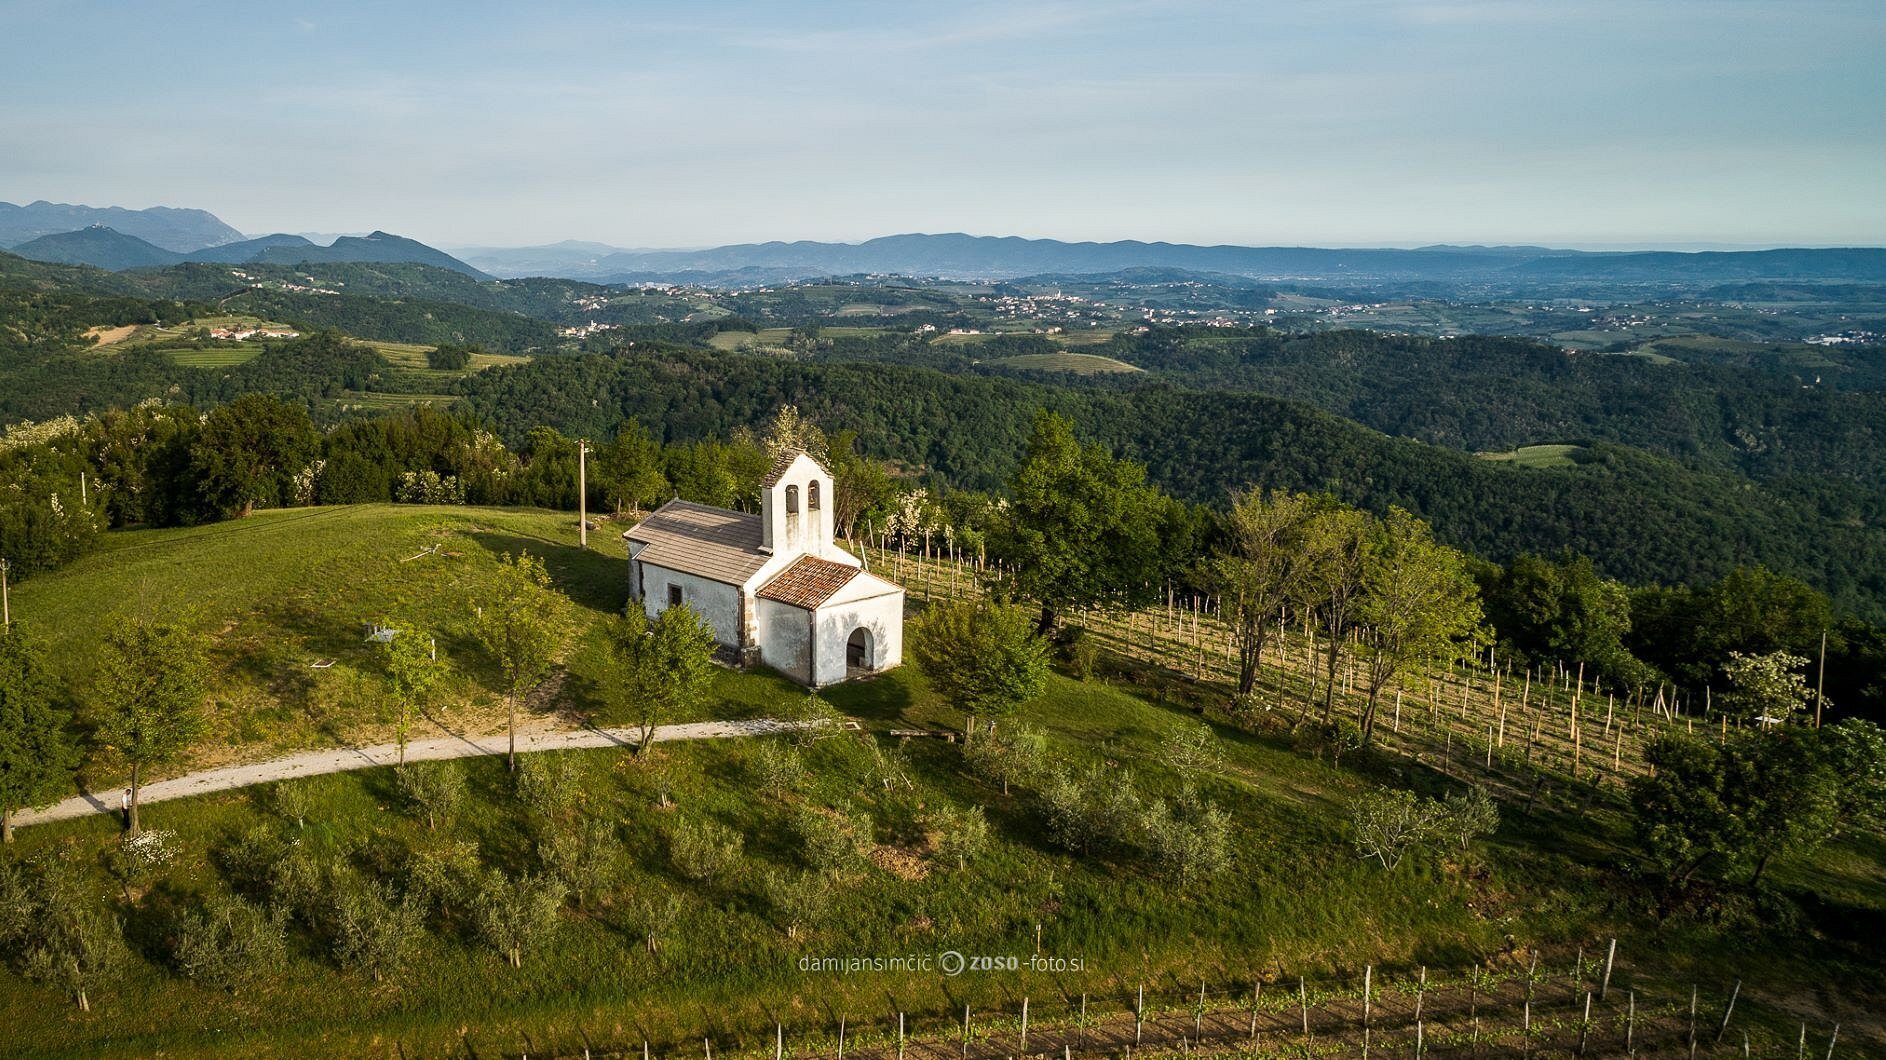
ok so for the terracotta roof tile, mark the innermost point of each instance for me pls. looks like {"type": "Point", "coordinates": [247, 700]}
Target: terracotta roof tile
{"type": "Point", "coordinates": [808, 583]}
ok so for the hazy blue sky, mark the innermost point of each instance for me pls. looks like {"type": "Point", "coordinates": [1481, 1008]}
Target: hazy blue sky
{"type": "Point", "coordinates": [1309, 121]}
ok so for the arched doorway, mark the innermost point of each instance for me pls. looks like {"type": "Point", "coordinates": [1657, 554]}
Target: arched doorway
{"type": "Point", "coordinates": [858, 649]}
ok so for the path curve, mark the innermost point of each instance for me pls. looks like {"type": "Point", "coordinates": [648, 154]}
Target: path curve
{"type": "Point", "coordinates": [342, 759]}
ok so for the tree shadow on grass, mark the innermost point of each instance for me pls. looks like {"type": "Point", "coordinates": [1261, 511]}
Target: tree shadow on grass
{"type": "Point", "coordinates": [591, 579]}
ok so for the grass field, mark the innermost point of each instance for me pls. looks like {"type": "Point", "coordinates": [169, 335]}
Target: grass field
{"type": "Point", "coordinates": [216, 356]}
{"type": "Point", "coordinates": [413, 355]}
{"type": "Point", "coordinates": [1076, 363]}
{"type": "Point", "coordinates": [281, 589]}
{"type": "Point", "coordinates": [1537, 456]}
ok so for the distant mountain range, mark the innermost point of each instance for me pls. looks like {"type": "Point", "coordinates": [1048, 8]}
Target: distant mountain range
{"type": "Point", "coordinates": [116, 238]}
{"type": "Point", "coordinates": [174, 230]}
{"type": "Point", "coordinates": [1006, 257]}
{"type": "Point", "coordinates": [108, 248]}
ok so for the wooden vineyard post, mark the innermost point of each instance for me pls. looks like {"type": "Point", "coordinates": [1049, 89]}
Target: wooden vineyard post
{"type": "Point", "coordinates": [1303, 1000]}
{"type": "Point", "coordinates": [1610, 957]}
{"type": "Point", "coordinates": [1728, 1011]}
{"type": "Point", "coordinates": [1024, 1024]}
{"type": "Point", "coordinates": [1368, 984]}
{"type": "Point", "coordinates": [1139, 1012]}
{"type": "Point", "coordinates": [1584, 1026]}
{"type": "Point", "coordinates": [900, 1036]}
{"type": "Point", "coordinates": [1630, 1025]}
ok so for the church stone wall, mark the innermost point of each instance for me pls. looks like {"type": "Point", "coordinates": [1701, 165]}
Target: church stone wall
{"type": "Point", "coordinates": [882, 615]}
{"type": "Point", "coordinates": [785, 634]}
{"type": "Point", "coordinates": [717, 602]}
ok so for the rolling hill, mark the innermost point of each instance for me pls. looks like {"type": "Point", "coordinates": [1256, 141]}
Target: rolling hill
{"type": "Point", "coordinates": [98, 246]}
{"type": "Point", "coordinates": [175, 230]}
{"type": "Point", "coordinates": [108, 248]}
{"type": "Point", "coordinates": [956, 255]}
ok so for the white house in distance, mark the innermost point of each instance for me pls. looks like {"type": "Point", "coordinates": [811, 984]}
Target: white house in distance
{"type": "Point", "coordinates": [774, 586]}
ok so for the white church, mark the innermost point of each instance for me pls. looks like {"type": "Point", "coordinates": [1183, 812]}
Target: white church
{"type": "Point", "coordinates": [775, 587]}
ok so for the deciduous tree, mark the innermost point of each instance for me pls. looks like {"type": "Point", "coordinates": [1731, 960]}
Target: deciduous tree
{"type": "Point", "coordinates": [521, 627]}
{"type": "Point", "coordinates": [1083, 529]}
{"type": "Point", "coordinates": [1418, 606]}
{"type": "Point", "coordinates": [665, 665]}
{"type": "Point", "coordinates": [1260, 571]}
{"type": "Point", "coordinates": [980, 656]}
{"type": "Point", "coordinates": [149, 695]}
{"type": "Point", "coordinates": [36, 757]}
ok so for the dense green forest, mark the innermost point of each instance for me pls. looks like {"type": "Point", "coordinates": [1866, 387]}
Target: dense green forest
{"type": "Point", "coordinates": [1643, 518]}
{"type": "Point", "coordinates": [1684, 471]}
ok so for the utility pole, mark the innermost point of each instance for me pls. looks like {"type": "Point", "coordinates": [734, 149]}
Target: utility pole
{"type": "Point", "coordinates": [582, 491]}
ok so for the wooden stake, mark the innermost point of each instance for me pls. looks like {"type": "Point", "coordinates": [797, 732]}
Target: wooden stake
{"type": "Point", "coordinates": [1610, 956]}
{"type": "Point", "coordinates": [1729, 1010]}
{"type": "Point", "coordinates": [1820, 682]}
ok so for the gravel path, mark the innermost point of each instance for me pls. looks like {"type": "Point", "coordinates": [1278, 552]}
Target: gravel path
{"type": "Point", "coordinates": [338, 760]}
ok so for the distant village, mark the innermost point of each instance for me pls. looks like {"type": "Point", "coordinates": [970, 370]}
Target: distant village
{"type": "Point", "coordinates": [240, 334]}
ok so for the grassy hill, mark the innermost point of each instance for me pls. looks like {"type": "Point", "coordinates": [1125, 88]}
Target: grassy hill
{"type": "Point", "coordinates": [282, 589]}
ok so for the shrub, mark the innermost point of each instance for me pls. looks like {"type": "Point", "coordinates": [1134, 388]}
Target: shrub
{"type": "Point", "coordinates": [1190, 837]}
{"type": "Point", "coordinates": [548, 784]}
{"type": "Point", "coordinates": [703, 850]}
{"type": "Point", "coordinates": [434, 790]}
{"type": "Point", "coordinates": [960, 835]}
{"type": "Point", "coordinates": [54, 931]}
{"type": "Point", "coordinates": [1464, 816]}
{"type": "Point", "coordinates": [833, 840]}
{"type": "Point", "coordinates": [799, 900]}
{"type": "Point", "coordinates": [1190, 749]}
{"type": "Point", "coordinates": [445, 877]}
{"type": "Point", "coordinates": [1092, 809]}
{"type": "Point", "coordinates": [231, 943]}
{"type": "Point", "coordinates": [778, 767]}
{"type": "Point", "coordinates": [374, 930]}
{"type": "Point", "coordinates": [1014, 754]}
{"type": "Point", "coordinates": [582, 856]}
{"type": "Point", "coordinates": [519, 914]}
{"type": "Point", "coordinates": [1081, 650]}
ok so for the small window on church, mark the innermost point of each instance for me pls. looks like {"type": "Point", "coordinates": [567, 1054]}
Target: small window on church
{"type": "Point", "coordinates": [674, 596]}
{"type": "Point", "coordinates": [812, 497]}
{"type": "Point", "coordinates": [792, 500]}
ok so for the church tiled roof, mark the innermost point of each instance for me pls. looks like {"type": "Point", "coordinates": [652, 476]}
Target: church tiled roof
{"type": "Point", "coordinates": [809, 582]}
{"type": "Point", "coordinates": [699, 539]}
